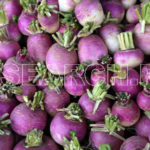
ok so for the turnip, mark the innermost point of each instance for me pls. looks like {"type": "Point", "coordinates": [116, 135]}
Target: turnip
{"type": "Point", "coordinates": [128, 56]}
{"type": "Point", "coordinates": [12, 8]}
{"type": "Point", "coordinates": [65, 122]}
{"type": "Point", "coordinates": [107, 133]}
{"type": "Point", "coordinates": [67, 5]}
{"type": "Point", "coordinates": [24, 119]}
{"type": "Point", "coordinates": [76, 83]}
{"type": "Point", "coordinates": [124, 105]}
{"type": "Point", "coordinates": [8, 49]}
{"type": "Point", "coordinates": [59, 61]}
{"type": "Point", "coordinates": [134, 142]}
{"type": "Point", "coordinates": [19, 69]}
{"type": "Point", "coordinates": [109, 33]}
{"type": "Point", "coordinates": [28, 90]}
{"type": "Point", "coordinates": [94, 104]}
{"type": "Point", "coordinates": [47, 16]}
{"type": "Point", "coordinates": [131, 15]}
{"type": "Point", "coordinates": [91, 49]}
{"type": "Point", "coordinates": [125, 80]}
{"type": "Point", "coordinates": [10, 32]}
{"type": "Point", "coordinates": [129, 28]}
{"type": "Point", "coordinates": [145, 73]}
{"type": "Point", "coordinates": [35, 140]}
{"type": "Point", "coordinates": [90, 15]}
{"type": "Point", "coordinates": [6, 136]}
{"type": "Point", "coordinates": [38, 43]}
{"type": "Point", "coordinates": [41, 84]}
{"type": "Point", "coordinates": [141, 30]}
{"type": "Point", "coordinates": [143, 98]}
{"type": "Point", "coordinates": [7, 101]}
{"type": "Point", "coordinates": [54, 100]}
{"type": "Point", "coordinates": [116, 9]}
{"type": "Point", "coordinates": [128, 3]}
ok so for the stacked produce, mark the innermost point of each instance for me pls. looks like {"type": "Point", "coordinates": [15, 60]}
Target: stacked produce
{"type": "Point", "coordinates": [74, 75]}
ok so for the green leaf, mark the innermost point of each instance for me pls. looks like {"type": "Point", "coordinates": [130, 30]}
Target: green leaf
{"type": "Point", "coordinates": [104, 147]}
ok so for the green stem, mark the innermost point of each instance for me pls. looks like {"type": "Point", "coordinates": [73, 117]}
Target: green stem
{"type": "Point", "coordinates": [73, 112]}
{"type": "Point", "coordinates": [147, 147]}
{"type": "Point", "coordinates": [37, 101]}
{"type": "Point", "coordinates": [123, 97]}
{"type": "Point", "coordinates": [126, 40]}
{"type": "Point", "coordinates": [104, 147]}
{"type": "Point", "coordinates": [45, 10]}
{"type": "Point", "coordinates": [34, 138]}
{"type": "Point", "coordinates": [88, 29]}
{"type": "Point", "coordinates": [3, 34]}
{"type": "Point", "coordinates": [109, 19]}
{"type": "Point", "coordinates": [4, 20]}
{"type": "Point", "coordinates": [73, 144]}
{"type": "Point", "coordinates": [147, 113]}
{"type": "Point", "coordinates": [146, 85]}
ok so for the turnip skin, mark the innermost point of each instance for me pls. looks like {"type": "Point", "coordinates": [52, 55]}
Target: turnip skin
{"type": "Point", "coordinates": [7, 141]}
{"type": "Point", "coordinates": [24, 21]}
{"type": "Point", "coordinates": [75, 85]}
{"type": "Point", "coordinates": [13, 32]}
{"type": "Point", "coordinates": [91, 48]}
{"type": "Point", "coordinates": [28, 90]}
{"type": "Point", "coordinates": [130, 84]}
{"type": "Point", "coordinates": [12, 8]}
{"type": "Point", "coordinates": [131, 15]}
{"type": "Point", "coordinates": [133, 142]}
{"type": "Point", "coordinates": [116, 10]}
{"type": "Point", "coordinates": [18, 72]}
{"type": "Point", "coordinates": [6, 106]}
{"type": "Point", "coordinates": [142, 40]}
{"type": "Point", "coordinates": [59, 61]}
{"type": "Point", "coordinates": [23, 119]}
{"type": "Point", "coordinates": [60, 127]}
{"type": "Point", "coordinates": [126, 119]}
{"type": "Point", "coordinates": [129, 58]}
{"type": "Point", "coordinates": [98, 138]}
{"type": "Point", "coordinates": [41, 84]}
{"type": "Point", "coordinates": [38, 43]}
{"type": "Point", "coordinates": [47, 145]}
{"type": "Point", "coordinates": [8, 49]}
{"type": "Point", "coordinates": [145, 73]}
{"type": "Point", "coordinates": [128, 3]}
{"type": "Point", "coordinates": [54, 100]}
{"type": "Point", "coordinates": [97, 76]}
{"type": "Point", "coordinates": [109, 33]}
{"type": "Point", "coordinates": [92, 13]}
{"type": "Point", "coordinates": [129, 28]}
{"type": "Point", "coordinates": [87, 106]}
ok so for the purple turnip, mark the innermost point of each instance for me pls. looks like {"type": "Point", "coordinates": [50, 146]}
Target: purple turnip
{"type": "Point", "coordinates": [129, 28]}
{"type": "Point", "coordinates": [67, 5]}
{"type": "Point", "coordinates": [48, 16]}
{"type": "Point", "coordinates": [59, 61]}
{"type": "Point", "coordinates": [65, 122]}
{"type": "Point", "coordinates": [116, 9]}
{"type": "Point", "coordinates": [19, 69]}
{"type": "Point", "coordinates": [107, 133]}
{"type": "Point", "coordinates": [6, 136]}
{"type": "Point", "coordinates": [10, 32]}
{"type": "Point", "coordinates": [8, 49]}
{"type": "Point", "coordinates": [41, 84]}
{"type": "Point", "coordinates": [142, 29]}
{"type": "Point", "coordinates": [128, 3]}
{"type": "Point", "coordinates": [143, 98]}
{"type": "Point", "coordinates": [24, 119]}
{"type": "Point", "coordinates": [90, 15]}
{"type": "Point", "coordinates": [109, 33]}
{"type": "Point", "coordinates": [125, 80]}
{"type": "Point", "coordinates": [38, 43]}
{"type": "Point", "coordinates": [91, 49]}
{"type": "Point", "coordinates": [54, 100]}
{"type": "Point", "coordinates": [94, 104]}
{"type": "Point", "coordinates": [133, 142]}
{"type": "Point", "coordinates": [131, 15]}
{"type": "Point", "coordinates": [124, 105]}
{"type": "Point", "coordinates": [12, 8]}
{"type": "Point", "coordinates": [128, 56]}
{"type": "Point", "coordinates": [36, 141]}
{"type": "Point", "coordinates": [145, 73]}
{"type": "Point", "coordinates": [28, 90]}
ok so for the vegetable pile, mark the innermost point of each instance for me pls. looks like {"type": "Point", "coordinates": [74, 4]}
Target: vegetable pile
{"type": "Point", "coordinates": [74, 75]}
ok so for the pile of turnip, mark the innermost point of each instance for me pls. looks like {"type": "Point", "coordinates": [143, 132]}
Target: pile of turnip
{"type": "Point", "coordinates": [74, 75]}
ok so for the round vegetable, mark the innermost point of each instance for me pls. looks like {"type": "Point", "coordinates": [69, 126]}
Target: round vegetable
{"type": "Point", "coordinates": [65, 122]}
{"type": "Point", "coordinates": [128, 3]}
{"type": "Point", "coordinates": [145, 73]}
